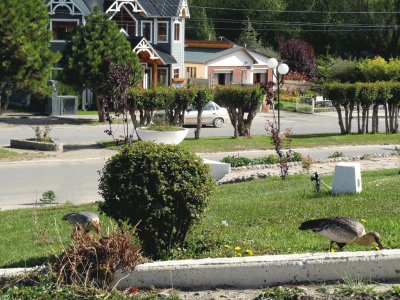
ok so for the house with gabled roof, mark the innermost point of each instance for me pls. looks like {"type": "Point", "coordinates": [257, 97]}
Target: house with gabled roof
{"type": "Point", "coordinates": [224, 62]}
{"type": "Point", "coordinates": [155, 28]}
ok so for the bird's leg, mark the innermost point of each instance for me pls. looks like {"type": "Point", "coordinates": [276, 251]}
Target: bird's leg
{"type": "Point", "coordinates": [330, 246]}
{"type": "Point", "coordinates": [341, 246]}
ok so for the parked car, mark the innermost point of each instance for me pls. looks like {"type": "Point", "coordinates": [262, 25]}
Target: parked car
{"type": "Point", "coordinates": [213, 115]}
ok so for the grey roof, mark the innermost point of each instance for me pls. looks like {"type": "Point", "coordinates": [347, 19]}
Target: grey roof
{"type": "Point", "coordinates": [92, 3]}
{"type": "Point", "coordinates": [153, 8]}
{"type": "Point", "coordinates": [204, 55]}
{"type": "Point", "coordinates": [201, 55]}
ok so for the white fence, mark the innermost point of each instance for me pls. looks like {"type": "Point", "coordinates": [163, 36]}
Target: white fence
{"type": "Point", "coordinates": [310, 105]}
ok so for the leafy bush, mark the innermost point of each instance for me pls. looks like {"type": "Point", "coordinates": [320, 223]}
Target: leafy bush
{"type": "Point", "coordinates": [162, 188]}
{"type": "Point", "coordinates": [336, 154]}
{"type": "Point", "coordinates": [43, 133]}
{"type": "Point", "coordinates": [237, 161]}
{"type": "Point", "coordinates": [240, 161]}
{"type": "Point", "coordinates": [295, 156]}
{"type": "Point", "coordinates": [300, 56]}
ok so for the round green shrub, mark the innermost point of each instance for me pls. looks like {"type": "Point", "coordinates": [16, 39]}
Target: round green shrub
{"type": "Point", "coordinates": [163, 189]}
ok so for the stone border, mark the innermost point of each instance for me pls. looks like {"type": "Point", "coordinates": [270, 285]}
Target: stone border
{"type": "Point", "coordinates": [253, 271]}
{"type": "Point", "coordinates": [34, 145]}
{"type": "Point", "coordinates": [263, 271]}
{"type": "Point", "coordinates": [259, 175]}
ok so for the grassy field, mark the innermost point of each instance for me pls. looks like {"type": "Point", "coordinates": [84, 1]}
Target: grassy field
{"type": "Point", "coordinates": [263, 142]}
{"type": "Point", "coordinates": [7, 154]}
{"type": "Point", "coordinates": [261, 217]}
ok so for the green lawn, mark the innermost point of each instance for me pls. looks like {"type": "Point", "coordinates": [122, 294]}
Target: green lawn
{"type": "Point", "coordinates": [262, 216]}
{"type": "Point", "coordinates": [87, 112]}
{"type": "Point", "coordinates": [263, 142]}
{"type": "Point", "coordinates": [7, 154]}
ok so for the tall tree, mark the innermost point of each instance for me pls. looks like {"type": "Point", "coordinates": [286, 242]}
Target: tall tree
{"type": "Point", "coordinates": [25, 56]}
{"type": "Point", "coordinates": [199, 27]}
{"type": "Point", "coordinates": [249, 37]}
{"type": "Point", "coordinates": [93, 50]}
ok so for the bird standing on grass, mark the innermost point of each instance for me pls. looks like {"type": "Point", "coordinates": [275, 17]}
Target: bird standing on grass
{"type": "Point", "coordinates": [86, 219]}
{"type": "Point", "coordinates": [342, 231]}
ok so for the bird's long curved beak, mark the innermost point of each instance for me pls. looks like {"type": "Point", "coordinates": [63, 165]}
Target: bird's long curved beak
{"type": "Point", "coordinates": [379, 244]}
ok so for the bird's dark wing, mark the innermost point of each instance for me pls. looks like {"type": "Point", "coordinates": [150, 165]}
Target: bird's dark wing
{"type": "Point", "coordinates": [314, 225]}
{"type": "Point", "coordinates": [348, 225]}
{"type": "Point", "coordinates": [65, 218]}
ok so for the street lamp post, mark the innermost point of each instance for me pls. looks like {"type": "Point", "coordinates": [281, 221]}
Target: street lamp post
{"type": "Point", "coordinates": [282, 69]}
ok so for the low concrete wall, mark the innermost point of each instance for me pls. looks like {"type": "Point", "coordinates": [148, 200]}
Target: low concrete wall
{"type": "Point", "coordinates": [34, 145]}
{"type": "Point", "coordinates": [262, 271]}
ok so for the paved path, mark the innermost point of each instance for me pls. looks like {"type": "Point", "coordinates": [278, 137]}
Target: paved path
{"type": "Point", "coordinates": [73, 175]}
{"type": "Point", "coordinates": [75, 129]}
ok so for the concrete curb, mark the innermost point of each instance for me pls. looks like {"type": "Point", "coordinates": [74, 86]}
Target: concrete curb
{"type": "Point", "coordinates": [18, 272]}
{"type": "Point", "coordinates": [262, 271]}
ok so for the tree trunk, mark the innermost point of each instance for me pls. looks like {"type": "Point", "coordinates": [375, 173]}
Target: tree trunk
{"type": "Point", "coordinates": [350, 118]}
{"type": "Point", "coordinates": [4, 102]}
{"type": "Point", "coordinates": [386, 118]}
{"type": "Point", "coordinates": [241, 125]}
{"type": "Point", "coordinates": [396, 119]}
{"type": "Point", "coordinates": [100, 106]}
{"type": "Point", "coordinates": [233, 115]}
{"type": "Point", "coordinates": [198, 127]}
{"type": "Point", "coordinates": [340, 117]}
{"type": "Point", "coordinates": [132, 113]}
{"type": "Point", "coordinates": [358, 118]}
{"type": "Point", "coordinates": [367, 121]}
{"type": "Point", "coordinates": [391, 114]}
{"type": "Point", "coordinates": [364, 116]}
{"type": "Point", "coordinates": [374, 121]}
{"type": "Point", "coordinates": [248, 121]}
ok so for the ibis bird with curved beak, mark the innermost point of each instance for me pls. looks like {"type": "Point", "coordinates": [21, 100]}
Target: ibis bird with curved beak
{"type": "Point", "coordinates": [342, 231]}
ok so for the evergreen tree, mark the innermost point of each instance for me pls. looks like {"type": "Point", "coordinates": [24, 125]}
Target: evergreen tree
{"type": "Point", "coordinates": [93, 50]}
{"type": "Point", "coordinates": [249, 37]}
{"type": "Point", "coordinates": [200, 27]}
{"type": "Point", "coordinates": [25, 56]}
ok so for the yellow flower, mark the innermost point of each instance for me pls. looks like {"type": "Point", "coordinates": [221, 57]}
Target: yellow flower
{"type": "Point", "coordinates": [237, 248]}
{"type": "Point", "coordinates": [227, 247]}
{"type": "Point", "coordinates": [363, 220]}
{"type": "Point", "coordinates": [239, 254]}
{"type": "Point", "coordinates": [332, 251]}
{"type": "Point", "coordinates": [249, 252]}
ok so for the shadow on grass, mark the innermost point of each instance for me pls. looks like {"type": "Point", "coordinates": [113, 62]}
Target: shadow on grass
{"type": "Point", "coordinates": [77, 147]}
{"type": "Point", "coordinates": [317, 135]}
{"type": "Point", "coordinates": [34, 119]}
{"type": "Point", "coordinates": [29, 263]}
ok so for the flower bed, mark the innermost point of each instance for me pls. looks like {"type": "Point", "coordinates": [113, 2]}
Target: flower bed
{"type": "Point", "coordinates": [33, 144]}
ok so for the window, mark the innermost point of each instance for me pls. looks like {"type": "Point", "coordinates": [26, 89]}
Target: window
{"type": "Point", "coordinates": [62, 30]}
{"type": "Point", "coordinates": [147, 30]}
{"type": "Point", "coordinates": [176, 73]}
{"type": "Point", "coordinates": [191, 72]}
{"type": "Point", "coordinates": [177, 32]}
{"type": "Point", "coordinates": [162, 77]}
{"type": "Point", "coordinates": [125, 21]}
{"type": "Point", "coordinates": [162, 32]}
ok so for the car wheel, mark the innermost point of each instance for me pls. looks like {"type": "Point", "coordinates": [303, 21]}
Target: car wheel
{"type": "Point", "coordinates": [218, 122]}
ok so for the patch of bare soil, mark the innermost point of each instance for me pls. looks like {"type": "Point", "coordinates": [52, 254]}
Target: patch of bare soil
{"type": "Point", "coordinates": [359, 291]}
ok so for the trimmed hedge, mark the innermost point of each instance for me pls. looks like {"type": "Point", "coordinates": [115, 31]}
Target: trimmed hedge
{"type": "Point", "coordinates": [348, 97]}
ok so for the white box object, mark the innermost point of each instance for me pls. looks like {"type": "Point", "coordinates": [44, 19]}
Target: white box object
{"type": "Point", "coordinates": [218, 169]}
{"type": "Point", "coordinates": [347, 179]}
